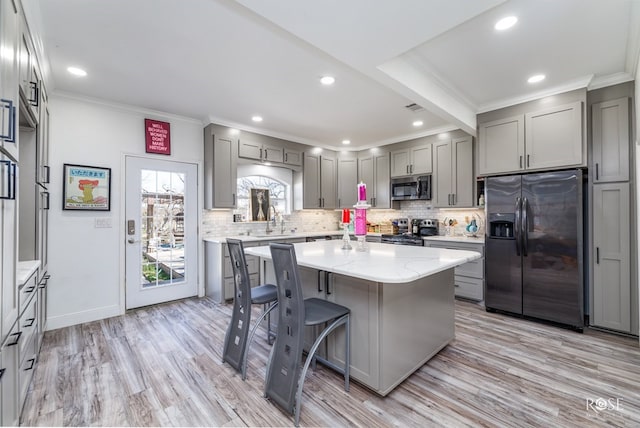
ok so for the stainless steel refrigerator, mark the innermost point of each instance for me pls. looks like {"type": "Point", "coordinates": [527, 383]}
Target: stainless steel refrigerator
{"type": "Point", "coordinates": [534, 246]}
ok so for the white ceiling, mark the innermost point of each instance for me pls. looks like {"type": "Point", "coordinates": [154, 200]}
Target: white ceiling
{"type": "Point", "coordinates": [223, 61]}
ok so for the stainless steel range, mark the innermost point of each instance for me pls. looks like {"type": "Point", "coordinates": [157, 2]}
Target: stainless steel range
{"type": "Point", "coordinates": [413, 235]}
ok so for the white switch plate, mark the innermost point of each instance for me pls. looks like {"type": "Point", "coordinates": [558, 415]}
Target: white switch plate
{"type": "Point", "coordinates": [104, 222]}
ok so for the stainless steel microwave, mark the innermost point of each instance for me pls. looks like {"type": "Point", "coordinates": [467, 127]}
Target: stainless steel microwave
{"type": "Point", "coordinates": [411, 188]}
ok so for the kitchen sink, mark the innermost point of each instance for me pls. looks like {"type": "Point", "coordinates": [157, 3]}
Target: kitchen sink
{"type": "Point", "coordinates": [269, 235]}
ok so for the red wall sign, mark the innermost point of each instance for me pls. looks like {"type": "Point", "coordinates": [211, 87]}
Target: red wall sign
{"type": "Point", "coordinates": [157, 136]}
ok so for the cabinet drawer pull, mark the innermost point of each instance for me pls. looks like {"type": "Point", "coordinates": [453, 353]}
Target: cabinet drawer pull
{"type": "Point", "coordinates": [30, 289]}
{"type": "Point", "coordinates": [45, 200]}
{"type": "Point", "coordinates": [30, 322]}
{"type": "Point", "coordinates": [18, 335]}
{"type": "Point", "coordinates": [33, 362]}
{"type": "Point", "coordinates": [319, 287]}
{"type": "Point", "coordinates": [329, 279]}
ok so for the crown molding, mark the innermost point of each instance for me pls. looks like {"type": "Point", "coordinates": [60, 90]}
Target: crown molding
{"type": "Point", "coordinates": [582, 82]}
{"type": "Point", "coordinates": [610, 80]}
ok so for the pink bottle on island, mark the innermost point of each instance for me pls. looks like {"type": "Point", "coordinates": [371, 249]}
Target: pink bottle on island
{"type": "Point", "coordinates": [361, 217]}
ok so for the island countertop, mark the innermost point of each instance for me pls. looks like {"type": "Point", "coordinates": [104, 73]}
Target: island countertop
{"type": "Point", "coordinates": [380, 263]}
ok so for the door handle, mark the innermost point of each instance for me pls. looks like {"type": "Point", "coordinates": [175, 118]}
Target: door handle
{"type": "Point", "coordinates": [132, 241]}
{"type": "Point", "coordinates": [525, 228]}
{"type": "Point", "coordinates": [518, 226]}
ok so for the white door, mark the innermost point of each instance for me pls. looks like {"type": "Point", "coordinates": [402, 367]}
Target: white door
{"type": "Point", "coordinates": [161, 231]}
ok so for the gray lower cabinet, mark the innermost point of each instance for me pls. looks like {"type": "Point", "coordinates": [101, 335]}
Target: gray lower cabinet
{"type": "Point", "coordinates": [611, 257]}
{"type": "Point", "coordinates": [469, 277]}
{"type": "Point", "coordinates": [9, 381]}
{"type": "Point", "coordinates": [610, 136]}
{"type": "Point", "coordinates": [220, 168]}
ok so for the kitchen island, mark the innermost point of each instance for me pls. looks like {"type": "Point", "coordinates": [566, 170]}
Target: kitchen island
{"type": "Point", "coordinates": [401, 300]}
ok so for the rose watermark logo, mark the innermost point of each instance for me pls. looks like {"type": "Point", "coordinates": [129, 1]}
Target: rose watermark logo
{"type": "Point", "coordinates": [599, 405]}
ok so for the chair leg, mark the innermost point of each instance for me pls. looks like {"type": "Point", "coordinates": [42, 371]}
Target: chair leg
{"type": "Point", "coordinates": [250, 339]}
{"type": "Point", "coordinates": [347, 358]}
{"type": "Point", "coordinates": [310, 356]}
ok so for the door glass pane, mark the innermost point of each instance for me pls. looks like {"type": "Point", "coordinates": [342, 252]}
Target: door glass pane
{"type": "Point", "coordinates": [162, 228]}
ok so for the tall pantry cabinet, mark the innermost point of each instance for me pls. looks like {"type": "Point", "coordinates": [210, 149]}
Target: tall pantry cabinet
{"type": "Point", "coordinates": [613, 300]}
{"type": "Point", "coordinates": [24, 177]}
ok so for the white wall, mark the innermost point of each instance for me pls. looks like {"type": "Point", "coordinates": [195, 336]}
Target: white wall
{"type": "Point", "coordinates": [86, 264]}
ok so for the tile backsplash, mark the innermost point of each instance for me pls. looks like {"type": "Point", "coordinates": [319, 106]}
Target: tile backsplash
{"type": "Point", "coordinates": [220, 223]}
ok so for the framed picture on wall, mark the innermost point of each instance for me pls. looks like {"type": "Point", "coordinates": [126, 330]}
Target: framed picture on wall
{"type": "Point", "coordinates": [259, 204]}
{"type": "Point", "coordinates": [86, 188]}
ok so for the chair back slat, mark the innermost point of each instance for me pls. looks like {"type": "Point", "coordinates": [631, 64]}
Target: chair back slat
{"type": "Point", "coordinates": [235, 341]}
{"type": "Point", "coordinates": [286, 358]}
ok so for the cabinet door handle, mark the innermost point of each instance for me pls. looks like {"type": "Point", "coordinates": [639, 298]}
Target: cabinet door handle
{"type": "Point", "coordinates": [234, 198]}
{"type": "Point", "coordinates": [286, 157]}
{"type": "Point", "coordinates": [16, 340]}
{"type": "Point", "coordinates": [375, 202]}
{"type": "Point", "coordinates": [30, 289]}
{"type": "Point", "coordinates": [520, 161]}
{"type": "Point", "coordinates": [45, 195]}
{"type": "Point", "coordinates": [597, 255]}
{"type": "Point", "coordinates": [597, 172]}
{"type": "Point", "coordinates": [407, 169]}
{"type": "Point", "coordinates": [319, 286]}
{"type": "Point", "coordinates": [34, 101]}
{"type": "Point", "coordinates": [10, 135]}
{"type": "Point", "coordinates": [527, 161]}
{"type": "Point", "coordinates": [47, 174]}
{"type": "Point", "coordinates": [322, 202]}
{"type": "Point", "coordinates": [328, 278]}
{"type": "Point", "coordinates": [2, 373]}
{"type": "Point", "coordinates": [453, 199]}
{"type": "Point", "coordinates": [411, 168]}
{"type": "Point", "coordinates": [339, 204]}
{"type": "Point", "coordinates": [33, 362]}
{"type": "Point", "coordinates": [30, 322]}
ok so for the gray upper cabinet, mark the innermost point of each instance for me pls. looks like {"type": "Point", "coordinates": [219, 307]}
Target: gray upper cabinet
{"type": "Point", "coordinates": [292, 157]}
{"type": "Point", "coordinates": [347, 180]}
{"type": "Point", "coordinates": [610, 131]}
{"type": "Point", "coordinates": [9, 81]}
{"type": "Point", "coordinates": [501, 146]}
{"type": "Point", "coordinates": [374, 171]}
{"type": "Point", "coordinates": [544, 139]}
{"type": "Point", "coordinates": [411, 161]}
{"type": "Point", "coordinates": [319, 181]}
{"type": "Point", "coordinates": [453, 173]}
{"type": "Point", "coordinates": [611, 257]}
{"type": "Point", "coordinates": [220, 168]}
{"type": "Point", "coordinates": [553, 137]}
{"type": "Point", "coordinates": [262, 152]}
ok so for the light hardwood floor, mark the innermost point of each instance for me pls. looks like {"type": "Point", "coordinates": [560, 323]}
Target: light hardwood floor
{"type": "Point", "coordinates": [161, 366]}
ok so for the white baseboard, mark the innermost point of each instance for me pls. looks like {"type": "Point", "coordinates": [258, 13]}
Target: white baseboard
{"type": "Point", "coordinates": [82, 317]}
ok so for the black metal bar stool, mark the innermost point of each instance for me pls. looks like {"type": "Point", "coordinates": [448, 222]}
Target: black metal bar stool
{"type": "Point", "coordinates": [285, 372]}
{"type": "Point", "coordinates": [238, 337]}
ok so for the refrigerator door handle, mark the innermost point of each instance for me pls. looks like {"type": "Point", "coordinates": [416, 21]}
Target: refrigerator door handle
{"type": "Point", "coordinates": [525, 227]}
{"type": "Point", "coordinates": [516, 226]}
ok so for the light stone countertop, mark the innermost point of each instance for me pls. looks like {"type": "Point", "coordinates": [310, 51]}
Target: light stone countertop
{"type": "Point", "coordinates": [25, 270]}
{"type": "Point", "coordinates": [459, 238]}
{"type": "Point", "coordinates": [381, 263]}
{"type": "Point", "coordinates": [277, 236]}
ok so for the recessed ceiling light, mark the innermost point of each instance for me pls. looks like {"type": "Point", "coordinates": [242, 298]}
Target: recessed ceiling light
{"type": "Point", "coordinates": [418, 123]}
{"type": "Point", "coordinates": [346, 142]}
{"type": "Point", "coordinates": [506, 23]}
{"type": "Point", "coordinates": [77, 71]}
{"type": "Point", "coordinates": [536, 78]}
{"type": "Point", "coordinates": [327, 80]}
{"type": "Point", "coordinates": [257, 118]}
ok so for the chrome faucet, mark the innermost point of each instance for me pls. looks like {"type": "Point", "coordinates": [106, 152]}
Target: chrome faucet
{"type": "Point", "coordinates": [273, 219]}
